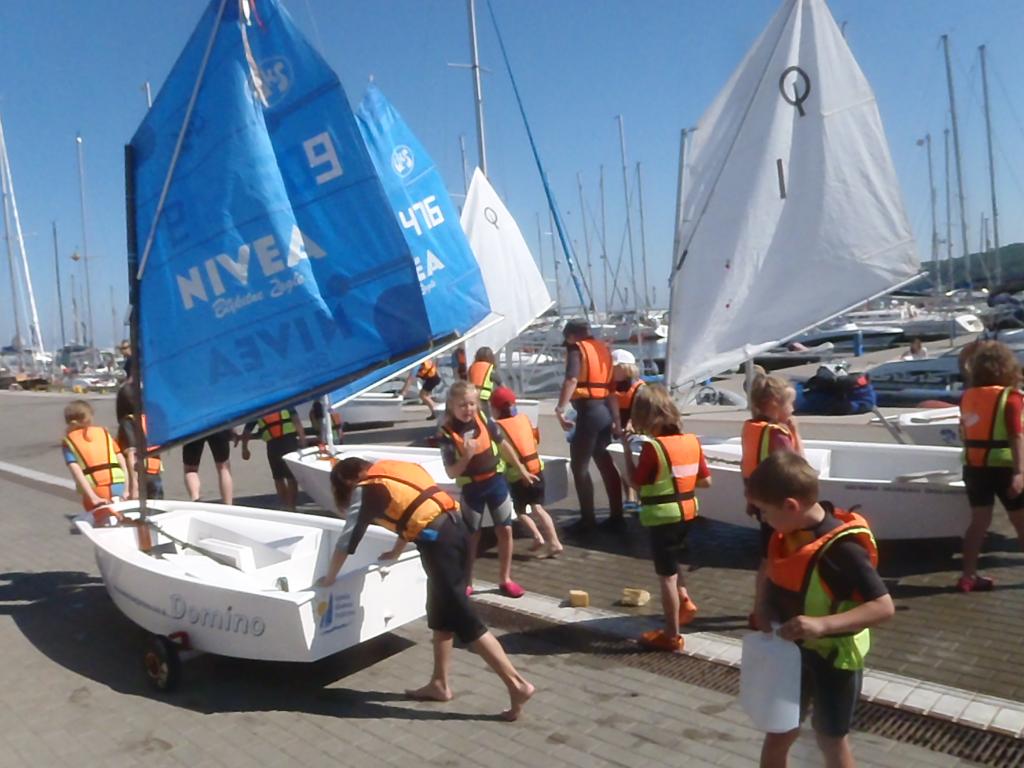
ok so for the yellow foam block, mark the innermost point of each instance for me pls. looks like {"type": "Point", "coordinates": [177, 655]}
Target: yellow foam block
{"type": "Point", "coordinates": [635, 597]}
{"type": "Point", "coordinates": [578, 598]}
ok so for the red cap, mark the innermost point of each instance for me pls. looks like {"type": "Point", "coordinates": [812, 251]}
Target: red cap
{"type": "Point", "coordinates": [502, 398]}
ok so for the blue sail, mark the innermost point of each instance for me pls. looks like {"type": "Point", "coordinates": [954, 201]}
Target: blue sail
{"type": "Point", "coordinates": [453, 288]}
{"type": "Point", "coordinates": [276, 269]}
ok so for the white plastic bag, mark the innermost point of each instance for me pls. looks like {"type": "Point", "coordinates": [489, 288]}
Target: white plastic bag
{"type": "Point", "coordinates": [770, 682]}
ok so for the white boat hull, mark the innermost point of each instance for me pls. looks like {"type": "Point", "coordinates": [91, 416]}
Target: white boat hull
{"type": "Point", "coordinates": [313, 470]}
{"type": "Point", "coordinates": [246, 613]}
{"type": "Point", "coordinates": [937, 426]}
{"type": "Point", "coordinates": [372, 408]}
{"type": "Point", "coordinates": [876, 476]}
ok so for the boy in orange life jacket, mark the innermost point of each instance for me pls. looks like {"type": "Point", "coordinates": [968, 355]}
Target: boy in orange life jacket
{"type": "Point", "coordinates": [429, 378]}
{"type": "Point", "coordinates": [770, 429]}
{"type": "Point", "coordinates": [94, 460]}
{"type": "Point", "coordinates": [403, 498]}
{"type": "Point", "coordinates": [671, 466]}
{"type": "Point", "coordinates": [484, 376]}
{"type": "Point", "coordinates": [822, 587]}
{"type": "Point", "coordinates": [527, 497]}
{"type": "Point", "coordinates": [991, 427]}
{"type": "Point", "coordinates": [283, 433]}
{"type": "Point", "coordinates": [626, 381]}
{"type": "Point", "coordinates": [128, 437]}
{"type": "Point", "coordinates": [472, 448]}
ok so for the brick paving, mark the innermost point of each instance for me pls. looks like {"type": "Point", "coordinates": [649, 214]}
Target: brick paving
{"type": "Point", "coordinates": [72, 688]}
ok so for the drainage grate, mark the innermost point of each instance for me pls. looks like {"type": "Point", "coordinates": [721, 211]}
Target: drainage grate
{"type": "Point", "coordinates": [954, 739]}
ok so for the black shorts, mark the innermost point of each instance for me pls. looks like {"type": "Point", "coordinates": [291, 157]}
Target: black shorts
{"type": "Point", "coordinates": [525, 495]}
{"type": "Point", "coordinates": [667, 544]}
{"type": "Point", "coordinates": [428, 385]}
{"type": "Point", "coordinates": [444, 561]}
{"type": "Point", "coordinates": [834, 693]}
{"type": "Point", "coordinates": [984, 484]}
{"type": "Point", "coordinates": [220, 447]}
{"type": "Point", "coordinates": [276, 449]}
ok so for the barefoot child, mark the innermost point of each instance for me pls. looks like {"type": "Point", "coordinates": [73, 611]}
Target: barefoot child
{"type": "Point", "coordinates": [526, 497]}
{"type": "Point", "coordinates": [429, 378]}
{"type": "Point", "coordinates": [626, 381]}
{"type": "Point", "coordinates": [94, 460]}
{"type": "Point", "coordinates": [283, 433]}
{"type": "Point", "coordinates": [472, 448]}
{"type": "Point", "coordinates": [770, 429]}
{"type": "Point", "coordinates": [403, 498]}
{"type": "Point", "coordinates": [671, 467]}
{"type": "Point", "coordinates": [822, 587]}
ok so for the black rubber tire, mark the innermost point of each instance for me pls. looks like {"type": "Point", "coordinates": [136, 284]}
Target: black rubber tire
{"type": "Point", "coordinates": [161, 663]}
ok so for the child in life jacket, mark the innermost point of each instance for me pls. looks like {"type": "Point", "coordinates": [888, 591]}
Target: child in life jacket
{"type": "Point", "coordinates": [822, 586]}
{"type": "Point", "coordinates": [671, 467]}
{"type": "Point", "coordinates": [771, 428]}
{"type": "Point", "coordinates": [94, 460]}
{"type": "Point", "coordinates": [625, 382]}
{"type": "Point", "coordinates": [991, 428]}
{"type": "Point", "coordinates": [474, 452]}
{"type": "Point", "coordinates": [430, 378]}
{"type": "Point", "coordinates": [527, 498]}
{"type": "Point", "coordinates": [484, 376]}
{"type": "Point", "coordinates": [316, 420]}
{"type": "Point", "coordinates": [283, 433]}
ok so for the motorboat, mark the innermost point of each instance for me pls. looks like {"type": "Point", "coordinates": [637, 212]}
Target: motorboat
{"type": "Point", "coordinates": [904, 491]}
{"type": "Point", "coordinates": [240, 582]}
{"type": "Point", "coordinates": [312, 469]}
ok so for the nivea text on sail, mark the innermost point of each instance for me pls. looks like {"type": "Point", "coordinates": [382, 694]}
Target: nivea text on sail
{"type": "Point", "coordinates": [209, 278]}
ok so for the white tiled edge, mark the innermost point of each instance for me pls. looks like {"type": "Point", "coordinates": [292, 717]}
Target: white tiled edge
{"type": "Point", "coordinates": [945, 702]}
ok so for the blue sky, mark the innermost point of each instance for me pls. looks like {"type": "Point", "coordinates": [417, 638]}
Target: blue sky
{"type": "Point", "coordinates": [72, 66]}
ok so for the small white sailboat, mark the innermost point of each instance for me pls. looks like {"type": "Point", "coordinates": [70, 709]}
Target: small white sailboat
{"type": "Point", "coordinates": [312, 469]}
{"type": "Point", "coordinates": [372, 408]}
{"type": "Point", "coordinates": [933, 426]}
{"type": "Point", "coordinates": [904, 491]}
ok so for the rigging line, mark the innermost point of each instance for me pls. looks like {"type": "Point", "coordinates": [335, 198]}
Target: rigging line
{"type": "Point", "coordinates": [1006, 98]}
{"type": "Point", "coordinates": [677, 258]}
{"type": "Point", "coordinates": [582, 289]}
{"type": "Point", "coordinates": [316, 28]}
{"type": "Point", "coordinates": [151, 237]}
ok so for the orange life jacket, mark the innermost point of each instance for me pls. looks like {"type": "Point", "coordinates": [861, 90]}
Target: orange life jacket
{"type": "Point", "coordinates": [626, 400]}
{"type": "Point", "coordinates": [277, 424]}
{"type": "Point", "coordinates": [524, 438]}
{"type": "Point", "coordinates": [460, 363]}
{"type": "Point", "coordinates": [595, 379]}
{"type": "Point", "coordinates": [480, 374]}
{"type": "Point", "coordinates": [415, 500]}
{"type": "Point", "coordinates": [154, 466]}
{"type": "Point", "coordinates": [670, 497]}
{"type": "Point", "coordinates": [983, 427]}
{"type": "Point", "coordinates": [486, 462]}
{"type": "Point", "coordinates": [428, 370]}
{"type": "Point", "coordinates": [757, 443]}
{"type": "Point", "coordinates": [96, 453]}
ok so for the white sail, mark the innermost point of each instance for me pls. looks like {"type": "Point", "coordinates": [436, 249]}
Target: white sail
{"type": "Point", "coordinates": [793, 213]}
{"type": "Point", "coordinates": [515, 287]}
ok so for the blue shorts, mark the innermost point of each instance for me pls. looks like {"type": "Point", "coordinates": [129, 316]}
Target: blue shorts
{"type": "Point", "coordinates": [489, 495]}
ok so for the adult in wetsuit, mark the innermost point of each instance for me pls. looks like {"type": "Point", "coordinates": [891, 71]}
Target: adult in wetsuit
{"type": "Point", "coordinates": [588, 386]}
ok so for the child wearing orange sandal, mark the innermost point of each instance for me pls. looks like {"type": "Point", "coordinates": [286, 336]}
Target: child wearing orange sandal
{"type": "Point", "coordinates": [670, 468]}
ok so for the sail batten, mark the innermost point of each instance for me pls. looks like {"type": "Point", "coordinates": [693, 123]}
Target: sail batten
{"type": "Point", "coordinates": [793, 209]}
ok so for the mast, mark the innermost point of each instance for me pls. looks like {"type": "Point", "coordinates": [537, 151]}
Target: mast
{"type": "Point", "coordinates": [10, 262]}
{"type": "Point", "coordinates": [643, 237]}
{"type": "Point", "coordinates": [949, 216]}
{"type": "Point", "coordinates": [629, 220]}
{"type": "Point", "coordinates": [85, 248]}
{"type": "Point", "coordinates": [465, 169]}
{"type": "Point", "coordinates": [604, 248]}
{"type": "Point", "coordinates": [74, 310]}
{"type": "Point", "coordinates": [959, 170]}
{"type": "Point", "coordinates": [554, 260]}
{"type": "Point", "coordinates": [927, 142]}
{"type": "Point", "coordinates": [540, 255]}
{"type": "Point", "coordinates": [60, 299]}
{"type": "Point", "coordinates": [113, 319]}
{"type": "Point", "coordinates": [991, 165]}
{"type": "Point", "coordinates": [586, 237]}
{"type": "Point", "coordinates": [135, 367]}
{"type": "Point", "coordinates": [478, 94]}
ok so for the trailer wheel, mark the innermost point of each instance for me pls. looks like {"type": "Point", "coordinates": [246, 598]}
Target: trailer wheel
{"type": "Point", "coordinates": [162, 663]}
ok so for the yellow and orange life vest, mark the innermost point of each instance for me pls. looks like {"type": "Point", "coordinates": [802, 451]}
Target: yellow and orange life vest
{"type": "Point", "coordinates": [415, 500]}
{"type": "Point", "coordinates": [595, 379]}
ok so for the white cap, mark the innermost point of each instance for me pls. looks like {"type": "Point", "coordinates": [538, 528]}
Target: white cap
{"type": "Point", "coordinates": [623, 357]}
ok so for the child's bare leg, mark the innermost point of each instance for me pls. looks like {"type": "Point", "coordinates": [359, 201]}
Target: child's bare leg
{"type": "Point", "coordinates": [504, 536]}
{"type": "Point", "coordinates": [438, 688]}
{"type": "Point", "coordinates": [227, 486]}
{"type": "Point", "coordinates": [529, 525]}
{"type": "Point", "coordinates": [547, 526]}
{"type": "Point", "coordinates": [837, 751]}
{"type": "Point", "coordinates": [775, 749]}
{"type": "Point", "coordinates": [474, 543]}
{"type": "Point", "coordinates": [192, 483]}
{"type": "Point", "coordinates": [974, 537]}
{"type": "Point", "coordinates": [519, 689]}
{"type": "Point", "coordinates": [670, 603]}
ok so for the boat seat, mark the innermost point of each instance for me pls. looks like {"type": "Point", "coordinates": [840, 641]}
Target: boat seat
{"type": "Point", "coordinates": [940, 476]}
{"type": "Point", "coordinates": [241, 554]}
{"type": "Point", "coordinates": [820, 459]}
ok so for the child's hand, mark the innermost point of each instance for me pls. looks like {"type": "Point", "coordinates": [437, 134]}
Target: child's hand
{"type": "Point", "coordinates": [762, 620]}
{"type": "Point", "coordinates": [246, 453]}
{"type": "Point", "coordinates": [1016, 485]}
{"type": "Point", "coordinates": [530, 477]}
{"type": "Point", "coordinates": [802, 628]}
{"type": "Point", "coordinates": [792, 425]}
{"type": "Point", "coordinates": [324, 581]}
{"type": "Point", "coordinates": [469, 446]}
{"type": "Point", "coordinates": [564, 422]}
{"type": "Point", "coordinates": [389, 555]}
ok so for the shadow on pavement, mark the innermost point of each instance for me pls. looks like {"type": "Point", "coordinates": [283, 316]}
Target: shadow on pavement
{"type": "Point", "coordinates": [68, 617]}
